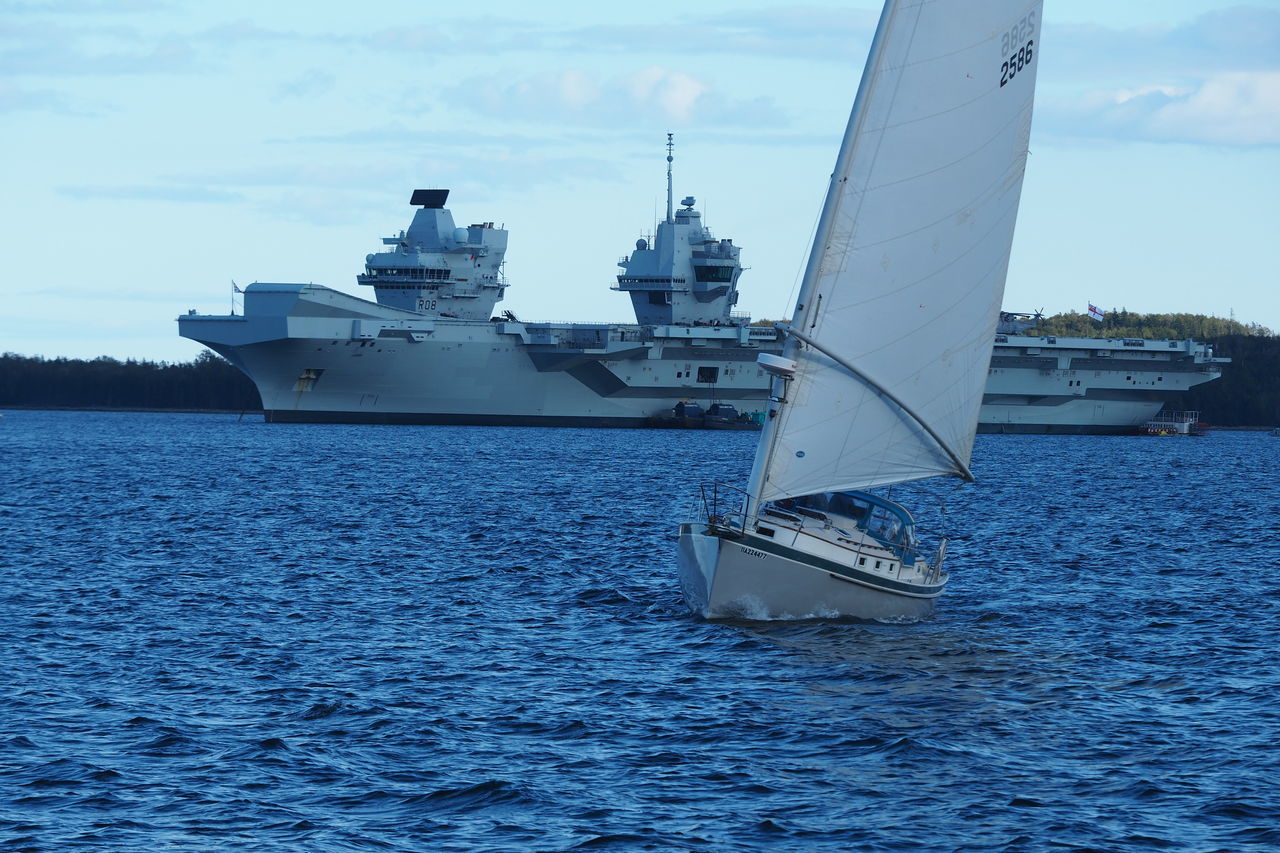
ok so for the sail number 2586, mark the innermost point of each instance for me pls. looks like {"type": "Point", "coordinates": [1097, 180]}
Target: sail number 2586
{"type": "Point", "coordinates": [1018, 36]}
{"type": "Point", "coordinates": [1020, 60]}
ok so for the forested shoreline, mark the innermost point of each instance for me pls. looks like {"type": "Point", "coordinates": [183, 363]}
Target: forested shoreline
{"type": "Point", "coordinates": [209, 383]}
{"type": "Point", "coordinates": [1122, 323]}
{"type": "Point", "coordinates": [1247, 395]}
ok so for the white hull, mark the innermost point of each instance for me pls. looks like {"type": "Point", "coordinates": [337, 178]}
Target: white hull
{"type": "Point", "coordinates": [748, 577]}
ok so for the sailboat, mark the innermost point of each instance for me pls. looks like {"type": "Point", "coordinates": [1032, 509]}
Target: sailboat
{"type": "Point", "coordinates": [887, 351]}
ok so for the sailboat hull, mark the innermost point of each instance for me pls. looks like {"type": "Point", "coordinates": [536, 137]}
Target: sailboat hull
{"type": "Point", "coordinates": [742, 576]}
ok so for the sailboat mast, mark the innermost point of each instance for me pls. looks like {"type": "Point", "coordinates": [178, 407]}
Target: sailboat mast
{"type": "Point", "coordinates": [768, 438]}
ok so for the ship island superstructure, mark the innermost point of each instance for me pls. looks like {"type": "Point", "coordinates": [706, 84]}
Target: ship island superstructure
{"type": "Point", "coordinates": [436, 268]}
{"type": "Point", "coordinates": [432, 347]}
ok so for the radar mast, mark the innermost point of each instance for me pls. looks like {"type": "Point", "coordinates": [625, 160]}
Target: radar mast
{"type": "Point", "coordinates": [670, 145]}
{"type": "Point", "coordinates": [686, 277]}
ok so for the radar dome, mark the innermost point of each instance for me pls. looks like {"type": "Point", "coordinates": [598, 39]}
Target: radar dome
{"type": "Point", "coordinates": [688, 201]}
{"type": "Point", "coordinates": [776, 365]}
{"type": "Point", "coordinates": [461, 235]}
{"type": "Point", "coordinates": [642, 244]}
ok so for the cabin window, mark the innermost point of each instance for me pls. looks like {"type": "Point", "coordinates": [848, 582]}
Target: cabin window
{"type": "Point", "coordinates": [710, 273]}
{"type": "Point", "coordinates": [708, 374]}
{"type": "Point", "coordinates": [862, 561]}
{"type": "Point", "coordinates": [884, 525]}
{"type": "Point", "coordinates": [877, 564]}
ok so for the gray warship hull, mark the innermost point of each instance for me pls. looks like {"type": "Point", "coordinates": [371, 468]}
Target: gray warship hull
{"type": "Point", "coordinates": [320, 355]}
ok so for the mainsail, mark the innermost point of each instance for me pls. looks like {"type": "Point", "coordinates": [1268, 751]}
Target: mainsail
{"type": "Point", "coordinates": [896, 318]}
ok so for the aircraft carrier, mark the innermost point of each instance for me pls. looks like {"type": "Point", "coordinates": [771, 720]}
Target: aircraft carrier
{"type": "Point", "coordinates": [432, 349]}
{"type": "Point", "coordinates": [1041, 383]}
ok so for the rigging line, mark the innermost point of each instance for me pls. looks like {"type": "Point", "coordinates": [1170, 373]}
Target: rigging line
{"type": "Point", "coordinates": [808, 247]}
{"type": "Point", "coordinates": [961, 468]}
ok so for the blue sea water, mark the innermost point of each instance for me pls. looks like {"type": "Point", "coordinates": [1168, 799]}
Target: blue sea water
{"type": "Point", "coordinates": [218, 634]}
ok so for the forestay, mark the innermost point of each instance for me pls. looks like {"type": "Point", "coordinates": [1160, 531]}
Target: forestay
{"type": "Point", "coordinates": [907, 273]}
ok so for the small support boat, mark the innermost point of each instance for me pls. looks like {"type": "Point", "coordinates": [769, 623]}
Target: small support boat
{"type": "Point", "coordinates": [686, 415]}
{"type": "Point", "coordinates": [1175, 423]}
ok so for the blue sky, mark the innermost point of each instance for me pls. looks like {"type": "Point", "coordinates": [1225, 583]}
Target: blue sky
{"type": "Point", "coordinates": [154, 151]}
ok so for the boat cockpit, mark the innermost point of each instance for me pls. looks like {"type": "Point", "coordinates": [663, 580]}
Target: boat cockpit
{"type": "Point", "coordinates": [883, 520]}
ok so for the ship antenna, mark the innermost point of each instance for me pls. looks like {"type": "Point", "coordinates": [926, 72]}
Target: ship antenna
{"type": "Point", "coordinates": [670, 145]}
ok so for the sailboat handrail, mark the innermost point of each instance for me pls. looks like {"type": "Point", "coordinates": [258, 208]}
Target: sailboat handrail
{"type": "Point", "coordinates": [962, 469]}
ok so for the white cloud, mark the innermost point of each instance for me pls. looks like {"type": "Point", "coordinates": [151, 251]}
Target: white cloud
{"type": "Point", "coordinates": [311, 84]}
{"type": "Point", "coordinates": [1235, 108]}
{"type": "Point", "coordinates": [576, 90]}
{"type": "Point", "coordinates": [790, 32]}
{"type": "Point", "coordinates": [651, 94]}
{"type": "Point", "coordinates": [83, 7]}
{"type": "Point", "coordinates": [675, 92]}
{"type": "Point", "coordinates": [415, 39]}
{"type": "Point", "coordinates": [156, 193]}
{"type": "Point", "coordinates": [1239, 38]}
{"type": "Point", "coordinates": [1124, 96]}
{"type": "Point", "coordinates": [16, 99]}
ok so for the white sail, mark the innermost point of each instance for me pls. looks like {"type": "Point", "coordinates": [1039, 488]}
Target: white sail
{"type": "Point", "coordinates": [906, 276]}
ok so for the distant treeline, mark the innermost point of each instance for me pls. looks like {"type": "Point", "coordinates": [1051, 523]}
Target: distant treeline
{"type": "Point", "coordinates": [1127, 324]}
{"type": "Point", "coordinates": [209, 382]}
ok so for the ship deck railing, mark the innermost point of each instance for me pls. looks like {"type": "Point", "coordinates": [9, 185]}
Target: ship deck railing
{"type": "Point", "coordinates": [1184, 417]}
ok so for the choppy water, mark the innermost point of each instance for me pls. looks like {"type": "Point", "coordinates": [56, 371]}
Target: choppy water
{"type": "Point", "coordinates": [219, 634]}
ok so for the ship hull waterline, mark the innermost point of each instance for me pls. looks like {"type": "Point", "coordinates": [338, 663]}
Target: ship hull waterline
{"type": "Point", "coordinates": [742, 576]}
{"type": "Point", "coordinates": [419, 385]}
